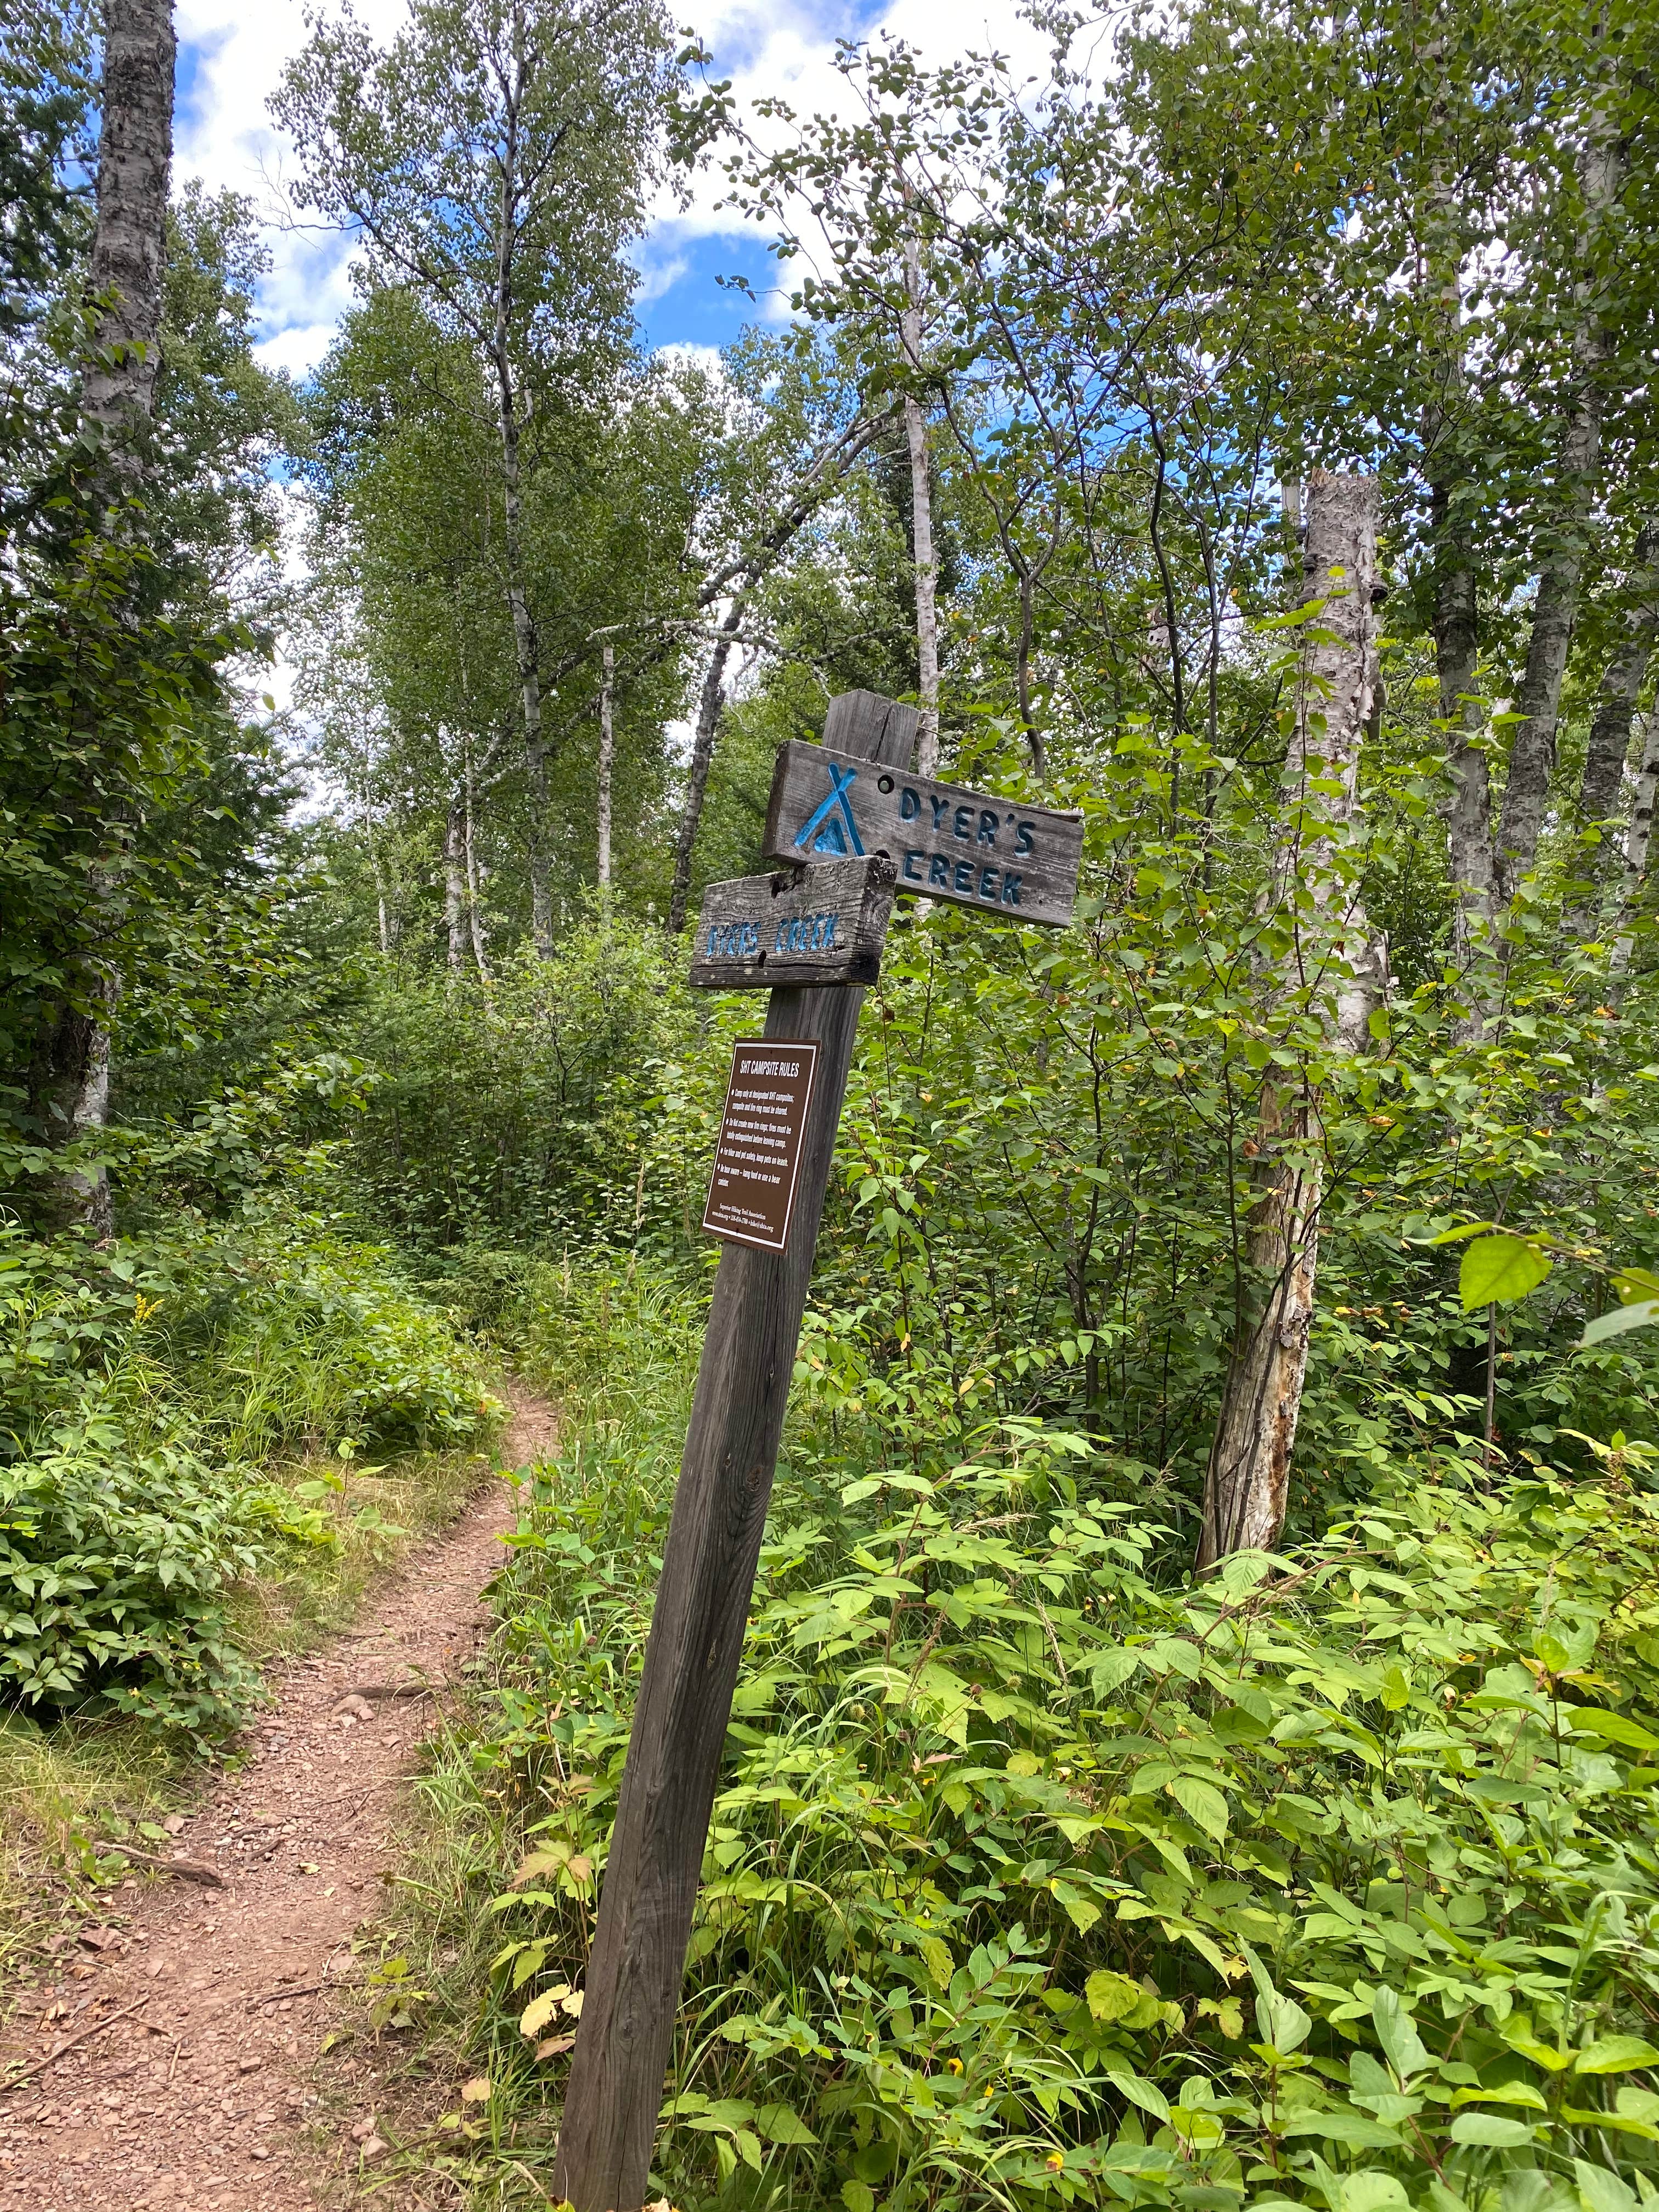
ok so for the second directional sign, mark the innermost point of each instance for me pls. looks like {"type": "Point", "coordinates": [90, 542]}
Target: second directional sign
{"type": "Point", "coordinates": [945, 842]}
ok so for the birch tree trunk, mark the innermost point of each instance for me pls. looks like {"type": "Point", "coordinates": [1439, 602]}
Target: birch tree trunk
{"type": "Point", "coordinates": [455, 882]}
{"type": "Point", "coordinates": [702, 754]}
{"type": "Point", "coordinates": [125, 270]}
{"type": "Point", "coordinates": [922, 556]}
{"type": "Point", "coordinates": [526, 643]}
{"type": "Point", "coordinates": [1455, 616]}
{"type": "Point", "coordinates": [1532, 752]}
{"type": "Point", "coordinates": [607, 756]}
{"type": "Point", "coordinates": [1638, 839]}
{"type": "Point", "coordinates": [1247, 1481]}
{"type": "Point", "coordinates": [474, 907]}
{"type": "Point", "coordinates": [1608, 746]}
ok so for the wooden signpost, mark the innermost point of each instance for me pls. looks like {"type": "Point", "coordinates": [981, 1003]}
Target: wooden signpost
{"type": "Point", "coordinates": [819, 927]}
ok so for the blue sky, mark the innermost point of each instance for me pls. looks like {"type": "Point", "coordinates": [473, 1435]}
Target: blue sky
{"type": "Point", "coordinates": [231, 54]}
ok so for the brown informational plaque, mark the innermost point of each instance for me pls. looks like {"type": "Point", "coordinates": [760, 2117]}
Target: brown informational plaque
{"type": "Point", "coordinates": [751, 1191]}
{"type": "Point", "coordinates": [1017, 861]}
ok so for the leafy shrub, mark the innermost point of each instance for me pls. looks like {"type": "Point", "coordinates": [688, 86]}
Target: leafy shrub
{"type": "Point", "coordinates": [1041, 1876]}
{"type": "Point", "coordinates": [144, 1389]}
{"type": "Point", "coordinates": [115, 1562]}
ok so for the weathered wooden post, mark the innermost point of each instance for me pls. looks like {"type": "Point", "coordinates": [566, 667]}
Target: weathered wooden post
{"type": "Point", "coordinates": [855, 821]}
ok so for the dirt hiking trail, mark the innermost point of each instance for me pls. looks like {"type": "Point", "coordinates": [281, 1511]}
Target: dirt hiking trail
{"type": "Point", "coordinates": [195, 2089]}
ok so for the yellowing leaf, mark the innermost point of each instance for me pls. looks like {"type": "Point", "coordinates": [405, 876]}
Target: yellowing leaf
{"type": "Point", "coordinates": [1499, 1270]}
{"type": "Point", "coordinates": [537, 2013]}
{"type": "Point", "coordinates": [1111, 1996]}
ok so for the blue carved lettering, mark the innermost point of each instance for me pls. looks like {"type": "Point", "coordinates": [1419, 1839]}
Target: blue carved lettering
{"type": "Point", "coordinates": [964, 877]}
{"type": "Point", "coordinates": [939, 871]}
{"type": "Point", "coordinates": [941, 807]}
{"type": "Point", "coordinates": [911, 874]}
{"type": "Point", "coordinates": [780, 937]}
{"type": "Point", "coordinates": [962, 821]}
{"type": "Point", "coordinates": [714, 935]}
{"type": "Point", "coordinates": [987, 885]}
{"type": "Point", "coordinates": [1011, 891]}
{"type": "Point", "coordinates": [987, 829]}
{"type": "Point", "coordinates": [909, 804]}
{"type": "Point", "coordinates": [1023, 842]}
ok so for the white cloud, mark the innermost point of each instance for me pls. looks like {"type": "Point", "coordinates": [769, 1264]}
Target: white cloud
{"type": "Point", "coordinates": [298, 349]}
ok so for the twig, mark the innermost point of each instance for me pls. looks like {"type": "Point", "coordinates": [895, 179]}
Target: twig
{"type": "Point", "coordinates": [178, 2045]}
{"type": "Point", "coordinates": [388, 1690]}
{"type": "Point", "coordinates": [186, 1869]}
{"type": "Point", "coordinates": [273, 1997]}
{"type": "Point", "coordinates": [16, 2080]}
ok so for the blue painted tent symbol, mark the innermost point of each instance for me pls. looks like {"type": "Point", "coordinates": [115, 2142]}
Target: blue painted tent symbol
{"type": "Point", "coordinates": [832, 828]}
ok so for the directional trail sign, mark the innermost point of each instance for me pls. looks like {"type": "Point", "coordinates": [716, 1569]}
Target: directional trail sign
{"type": "Point", "coordinates": [852, 823]}
{"type": "Point", "coordinates": [944, 841]}
{"type": "Point", "coordinates": [822, 925]}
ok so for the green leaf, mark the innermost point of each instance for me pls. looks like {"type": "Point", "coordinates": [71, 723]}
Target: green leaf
{"type": "Point", "coordinates": [1397, 2033]}
{"type": "Point", "coordinates": [1614, 2054]}
{"type": "Point", "coordinates": [1111, 1670]}
{"type": "Point", "coordinates": [1499, 1270]}
{"type": "Point", "coordinates": [1643, 1315]}
{"type": "Point", "coordinates": [1491, 2129]}
{"type": "Point", "coordinates": [1600, 2191]}
{"type": "Point", "coordinates": [1203, 1802]}
{"type": "Point", "coordinates": [1612, 1728]}
{"type": "Point", "coordinates": [858, 2196]}
{"type": "Point", "coordinates": [778, 2124]}
{"type": "Point", "coordinates": [1358, 2131]}
{"type": "Point", "coordinates": [1140, 2092]}
{"type": "Point", "coordinates": [1282, 2021]}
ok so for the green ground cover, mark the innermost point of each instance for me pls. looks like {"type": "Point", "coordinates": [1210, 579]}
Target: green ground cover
{"type": "Point", "coordinates": [1039, 1875]}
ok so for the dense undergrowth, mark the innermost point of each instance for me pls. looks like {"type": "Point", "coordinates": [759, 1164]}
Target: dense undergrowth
{"type": "Point", "coordinates": [1039, 1875]}
{"type": "Point", "coordinates": [213, 1438]}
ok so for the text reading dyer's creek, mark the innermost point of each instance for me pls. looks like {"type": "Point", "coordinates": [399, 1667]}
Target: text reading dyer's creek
{"type": "Point", "coordinates": [978, 826]}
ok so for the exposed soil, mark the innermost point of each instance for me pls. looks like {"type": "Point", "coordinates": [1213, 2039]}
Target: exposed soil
{"type": "Point", "coordinates": [195, 2090]}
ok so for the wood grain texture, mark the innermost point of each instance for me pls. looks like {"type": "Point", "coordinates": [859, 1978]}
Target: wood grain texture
{"type": "Point", "coordinates": [638, 1959]}
{"type": "Point", "coordinates": [812, 926]}
{"type": "Point", "coordinates": [945, 840]}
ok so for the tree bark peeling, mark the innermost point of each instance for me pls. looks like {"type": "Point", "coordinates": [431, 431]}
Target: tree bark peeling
{"type": "Point", "coordinates": [1334, 960]}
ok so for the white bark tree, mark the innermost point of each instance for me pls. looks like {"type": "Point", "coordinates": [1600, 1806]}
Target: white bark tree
{"type": "Point", "coordinates": [1330, 965]}
{"type": "Point", "coordinates": [1555, 609]}
{"type": "Point", "coordinates": [124, 278]}
{"type": "Point", "coordinates": [497, 156]}
{"type": "Point", "coordinates": [922, 558]}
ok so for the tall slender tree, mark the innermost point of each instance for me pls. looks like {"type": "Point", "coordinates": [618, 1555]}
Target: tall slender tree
{"type": "Point", "coordinates": [496, 157]}
{"type": "Point", "coordinates": [124, 277]}
{"type": "Point", "coordinates": [1328, 967]}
